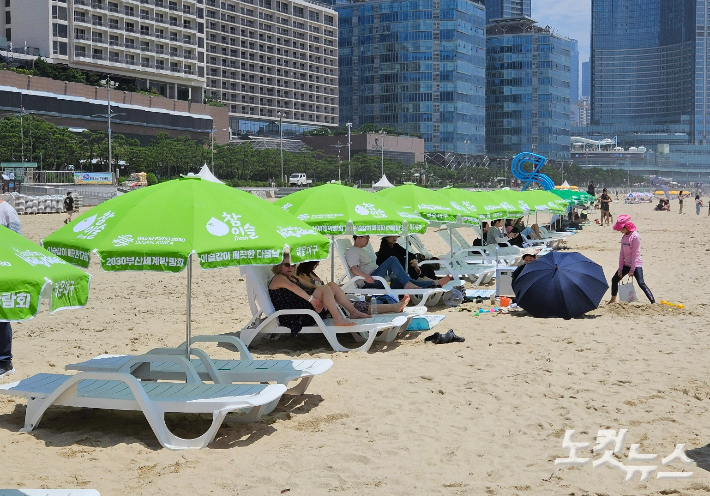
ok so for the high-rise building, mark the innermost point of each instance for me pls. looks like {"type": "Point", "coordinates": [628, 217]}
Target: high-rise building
{"type": "Point", "coordinates": [586, 80]}
{"type": "Point", "coordinates": [574, 71]}
{"type": "Point", "coordinates": [418, 67]}
{"type": "Point", "coordinates": [504, 9]}
{"type": "Point", "coordinates": [155, 43]}
{"type": "Point", "coordinates": [642, 54]}
{"type": "Point", "coordinates": [527, 90]}
{"type": "Point", "coordinates": [273, 63]}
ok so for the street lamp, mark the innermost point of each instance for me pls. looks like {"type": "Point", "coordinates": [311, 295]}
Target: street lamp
{"type": "Point", "coordinates": [338, 145]}
{"type": "Point", "coordinates": [382, 150]}
{"type": "Point", "coordinates": [108, 116]}
{"type": "Point", "coordinates": [22, 131]}
{"type": "Point", "coordinates": [349, 126]}
{"type": "Point", "coordinates": [281, 142]}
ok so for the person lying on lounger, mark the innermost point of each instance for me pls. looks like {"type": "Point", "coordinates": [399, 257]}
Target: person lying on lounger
{"type": "Point", "coordinates": [305, 273]}
{"type": "Point", "coordinates": [287, 293]}
{"type": "Point", "coordinates": [361, 264]}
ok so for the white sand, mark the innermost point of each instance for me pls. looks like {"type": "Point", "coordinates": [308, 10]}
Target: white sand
{"type": "Point", "coordinates": [483, 417]}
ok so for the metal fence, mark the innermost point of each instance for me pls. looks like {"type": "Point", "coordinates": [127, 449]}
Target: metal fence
{"type": "Point", "coordinates": [49, 177]}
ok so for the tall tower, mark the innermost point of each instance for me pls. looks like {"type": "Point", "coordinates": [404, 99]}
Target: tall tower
{"type": "Point", "coordinates": [416, 67]}
{"type": "Point", "coordinates": [504, 9]}
{"type": "Point", "coordinates": [642, 54]}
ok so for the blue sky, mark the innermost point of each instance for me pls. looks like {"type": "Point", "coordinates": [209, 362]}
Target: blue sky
{"type": "Point", "coordinates": [570, 18]}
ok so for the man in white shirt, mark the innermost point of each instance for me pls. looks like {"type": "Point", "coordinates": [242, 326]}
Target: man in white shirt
{"type": "Point", "coordinates": [9, 219]}
{"type": "Point", "coordinates": [361, 264]}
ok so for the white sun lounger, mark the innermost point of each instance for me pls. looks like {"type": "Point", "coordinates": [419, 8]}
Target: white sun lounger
{"type": "Point", "coordinates": [245, 369]}
{"type": "Point", "coordinates": [474, 270]}
{"type": "Point", "coordinates": [122, 391]}
{"type": "Point", "coordinates": [49, 492]}
{"type": "Point", "coordinates": [420, 297]}
{"type": "Point", "coordinates": [265, 318]}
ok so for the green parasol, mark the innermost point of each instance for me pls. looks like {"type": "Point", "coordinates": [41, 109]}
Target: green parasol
{"type": "Point", "coordinates": [158, 228]}
{"type": "Point", "coordinates": [334, 209]}
{"type": "Point", "coordinates": [510, 201]}
{"type": "Point", "coordinates": [29, 272]}
{"type": "Point", "coordinates": [574, 197]}
{"type": "Point", "coordinates": [480, 203]}
{"type": "Point", "coordinates": [537, 200]}
{"type": "Point", "coordinates": [430, 204]}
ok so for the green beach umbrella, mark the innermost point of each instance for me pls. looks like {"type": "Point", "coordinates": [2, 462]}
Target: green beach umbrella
{"type": "Point", "coordinates": [333, 209]}
{"type": "Point", "coordinates": [480, 203]}
{"type": "Point", "coordinates": [538, 200]}
{"type": "Point", "coordinates": [430, 204]}
{"type": "Point", "coordinates": [28, 272]}
{"type": "Point", "coordinates": [510, 201]}
{"type": "Point", "coordinates": [572, 197]}
{"type": "Point", "coordinates": [160, 227]}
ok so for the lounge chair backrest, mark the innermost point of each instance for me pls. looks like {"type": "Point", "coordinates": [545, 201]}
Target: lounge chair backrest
{"type": "Point", "coordinates": [341, 246]}
{"type": "Point", "coordinates": [458, 238]}
{"type": "Point", "coordinates": [257, 279]}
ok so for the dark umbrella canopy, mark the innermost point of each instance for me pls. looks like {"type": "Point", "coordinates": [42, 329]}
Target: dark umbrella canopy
{"type": "Point", "coordinates": [558, 284]}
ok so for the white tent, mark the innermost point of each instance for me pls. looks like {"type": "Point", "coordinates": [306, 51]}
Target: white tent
{"type": "Point", "coordinates": [383, 183]}
{"type": "Point", "coordinates": [207, 175]}
{"type": "Point", "coordinates": [565, 185]}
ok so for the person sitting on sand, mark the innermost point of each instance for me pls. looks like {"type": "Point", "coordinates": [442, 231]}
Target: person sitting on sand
{"type": "Point", "coordinates": [361, 264]}
{"type": "Point", "coordinates": [305, 273]}
{"type": "Point", "coordinates": [287, 293]}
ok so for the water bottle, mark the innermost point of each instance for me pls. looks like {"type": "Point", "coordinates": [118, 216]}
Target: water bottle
{"type": "Point", "coordinates": [373, 306]}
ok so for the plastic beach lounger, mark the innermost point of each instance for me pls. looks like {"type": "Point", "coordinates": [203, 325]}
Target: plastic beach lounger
{"type": "Point", "coordinates": [121, 391]}
{"type": "Point", "coordinates": [265, 318]}
{"type": "Point", "coordinates": [244, 369]}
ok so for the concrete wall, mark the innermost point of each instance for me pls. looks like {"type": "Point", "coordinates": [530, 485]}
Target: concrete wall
{"type": "Point", "coordinates": [220, 115]}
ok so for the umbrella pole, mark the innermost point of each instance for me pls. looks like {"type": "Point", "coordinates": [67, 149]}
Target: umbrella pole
{"type": "Point", "coordinates": [332, 258]}
{"type": "Point", "coordinates": [188, 329]}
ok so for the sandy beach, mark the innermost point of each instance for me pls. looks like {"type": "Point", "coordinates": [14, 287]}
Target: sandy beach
{"type": "Point", "coordinates": [484, 417]}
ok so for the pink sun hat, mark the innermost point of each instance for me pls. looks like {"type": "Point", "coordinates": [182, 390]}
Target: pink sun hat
{"type": "Point", "coordinates": [624, 221]}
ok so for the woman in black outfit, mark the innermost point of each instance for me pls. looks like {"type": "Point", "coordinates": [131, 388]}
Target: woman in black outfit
{"type": "Point", "coordinates": [390, 248]}
{"type": "Point", "coordinates": [287, 293]}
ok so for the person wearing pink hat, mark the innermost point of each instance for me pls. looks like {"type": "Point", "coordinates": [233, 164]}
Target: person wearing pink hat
{"type": "Point", "coordinates": [629, 258]}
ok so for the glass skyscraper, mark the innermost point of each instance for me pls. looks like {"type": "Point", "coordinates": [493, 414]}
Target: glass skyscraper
{"type": "Point", "coordinates": [642, 62]}
{"type": "Point", "coordinates": [527, 90]}
{"type": "Point", "coordinates": [574, 71]}
{"type": "Point", "coordinates": [503, 9]}
{"type": "Point", "coordinates": [417, 66]}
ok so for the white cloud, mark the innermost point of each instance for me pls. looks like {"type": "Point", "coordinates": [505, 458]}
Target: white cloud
{"type": "Point", "coordinates": [570, 18]}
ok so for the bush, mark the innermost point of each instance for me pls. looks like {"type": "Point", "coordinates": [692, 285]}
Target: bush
{"type": "Point", "coordinates": [151, 179]}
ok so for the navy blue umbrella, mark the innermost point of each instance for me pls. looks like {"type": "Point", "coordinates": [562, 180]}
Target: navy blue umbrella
{"type": "Point", "coordinates": [560, 285]}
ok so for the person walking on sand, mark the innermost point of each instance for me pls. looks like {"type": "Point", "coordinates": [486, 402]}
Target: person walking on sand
{"type": "Point", "coordinates": [629, 258]}
{"type": "Point", "coordinates": [605, 200]}
{"type": "Point", "coordinates": [680, 203]}
{"type": "Point", "coordinates": [68, 206]}
{"type": "Point", "coordinates": [698, 204]}
{"type": "Point", "coordinates": [9, 219]}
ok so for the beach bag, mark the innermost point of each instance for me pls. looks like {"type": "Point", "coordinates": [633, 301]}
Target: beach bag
{"type": "Point", "coordinates": [627, 292]}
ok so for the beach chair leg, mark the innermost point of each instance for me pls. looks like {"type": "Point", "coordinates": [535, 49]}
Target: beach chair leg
{"type": "Point", "coordinates": [33, 414]}
{"type": "Point", "coordinates": [301, 387]}
{"type": "Point", "coordinates": [332, 338]}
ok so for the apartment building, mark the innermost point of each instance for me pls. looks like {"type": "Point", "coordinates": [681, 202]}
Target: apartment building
{"type": "Point", "coordinates": [274, 63]}
{"type": "Point", "coordinates": [156, 42]}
